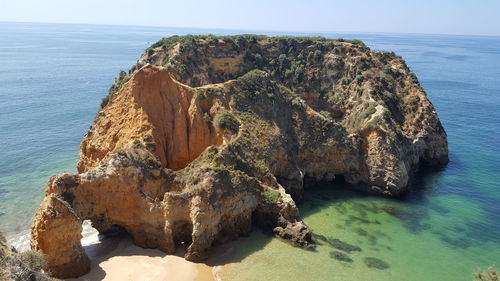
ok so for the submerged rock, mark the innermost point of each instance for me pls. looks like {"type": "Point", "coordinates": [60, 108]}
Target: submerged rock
{"type": "Point", "coordinates": [361, 232]}
{"type": "Point", "coordinates": [205, 136]}
{"type": "Point", "coordinates": [341, 245]}
{"type": "Point", "coordinates": [375, 263]}
{"type": "Point", "coordinates": [411, 219]}
{"type": "Point", "coordinates": [340, 256]}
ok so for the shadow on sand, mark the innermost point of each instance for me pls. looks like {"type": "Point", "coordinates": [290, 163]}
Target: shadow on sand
{"type": "Point", "coordinates": [316, 199]}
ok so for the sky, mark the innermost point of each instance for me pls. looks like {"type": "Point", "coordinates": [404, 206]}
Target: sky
{"type": "Point", "coordinates": [467, 17]}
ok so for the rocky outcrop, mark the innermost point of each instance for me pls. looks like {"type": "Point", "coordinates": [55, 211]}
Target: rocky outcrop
{"type": "Point", "coordinates": [56, 223]}
{"type": "Point", "coordinates": [193, 146]}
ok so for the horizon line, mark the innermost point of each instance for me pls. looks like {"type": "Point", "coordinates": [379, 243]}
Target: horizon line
{"type": "Point", "coordinates": [256, 30]}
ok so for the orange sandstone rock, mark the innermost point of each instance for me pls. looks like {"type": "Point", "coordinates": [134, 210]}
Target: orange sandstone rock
{"type": "Point", "coordinates": [154, 108]}
{"type": "Point", "coordinates": [56, 234]}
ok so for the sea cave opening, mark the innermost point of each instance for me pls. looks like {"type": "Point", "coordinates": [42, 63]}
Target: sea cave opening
{"type": "Point", "coordinates": [97, 243]}
{"type": "Point", "coordinates": [182, 231]}
{"type": "Point", "coordinates": [335, 181]}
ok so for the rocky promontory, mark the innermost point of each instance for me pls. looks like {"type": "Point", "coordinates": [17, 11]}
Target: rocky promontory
{"type": "Point", "coordinates": [206, 136]}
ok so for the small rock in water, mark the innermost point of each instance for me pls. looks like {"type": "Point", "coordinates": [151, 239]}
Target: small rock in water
{"type": "Point", "coordinates": [359, 220]}
{"type": "Point", "coordinates": [372, 240]}
{"type": "Point", "coordinates": [343, 246]}
{"type": "Point", "coordinates": [375, 263]}
{"type": "Point", "coordinates": [361, 232]}
{"type": "Point", "coordinates": [340, 256]}
{"type": "Point", "coordinates": [457, 242]}
{"type": "Point", "coordinates": [390, 210]}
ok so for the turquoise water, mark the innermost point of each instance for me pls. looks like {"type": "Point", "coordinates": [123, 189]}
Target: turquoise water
{"type": "Point", "coordinates": [53, 76]}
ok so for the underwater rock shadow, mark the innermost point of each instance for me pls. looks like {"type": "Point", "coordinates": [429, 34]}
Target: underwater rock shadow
{"type": "Point", "coordinates": [326, 195]}
{"type": "Point", "coordinates": [429, 183]}
{"type": "Point", "coordinates": [424, 184]}
{"type": "Point", "coordinates": [357, 214]}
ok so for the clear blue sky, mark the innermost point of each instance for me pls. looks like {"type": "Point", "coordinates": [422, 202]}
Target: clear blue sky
{"type": "Point", "coordinates": [479, 17]}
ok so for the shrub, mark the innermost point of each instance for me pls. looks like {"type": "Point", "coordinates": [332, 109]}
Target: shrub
{"type": "Point", "coordinates": [281, 58]}
{"type": "Point", "coordinates": [32, 260]}
{"type": "Point", "coordinates": [137, 144]}
{"type": "Point", "coordinates": [200, 93]}
{"type": "Point", "coordinates": [299, 72]}
{"type": "Point", "coordinates": [271, 195]}
{"type": "Point", "coordinates": [298, 103]}
{"type": "Point", "coordinates": [226, 120]}
{"type": "Point", "coordinates": [256, 82]}
{"type": "Point", "coordinates": [317, 54]}
{"type": "Point", "coordinates": [105, 101]}
{"type": "Point", "coordinates": [333, 99]}
{"type": "Point", "coordinates": [385, 83]}
{"type": "Point", "coordinates": [117, 85]}
{"type": "Point", "coordinates": [326, 114]}
{"type": "Point", "coordinates": [388, 70]}
{"type": "Point", "coordinates": [194, 180]}
{"type": "Point", "coordinates": [253, 77]}
{"type": "Point", "coordinates": [207, 119]}
{"type": "Point", "coordinates": [359, 79]}
{"type": "Point", "coordinates": [255, 58]}
{"type": "Point", "coordinates": [23, 266]}
{"type": "Point", "coordinates": [356, 41]}
{"type": "Point", "coordinates": [221, 168]}
{"type": "Point", "coordinates": [413, 77]}
{"type": "Point", "coordinates": [368, 111]}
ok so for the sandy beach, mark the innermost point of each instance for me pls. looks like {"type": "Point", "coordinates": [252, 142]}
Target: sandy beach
{"type": "Point", "coordinates": [116, 258]}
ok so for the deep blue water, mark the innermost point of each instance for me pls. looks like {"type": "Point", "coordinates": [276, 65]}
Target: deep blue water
{"type": "Point", "coordinates": [53, 76]}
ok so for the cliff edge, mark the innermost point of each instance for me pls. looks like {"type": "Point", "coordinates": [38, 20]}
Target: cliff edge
{"type": "Point", "coordinates": [207, 135]}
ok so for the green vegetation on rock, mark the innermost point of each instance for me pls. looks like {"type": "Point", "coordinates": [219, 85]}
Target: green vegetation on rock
{"type": "Point", "coordinates": [271, 195]}
{"type": "Point", "coordinates": [226, 120]}
{"type": "Point", "coordinates": [20, 266]}
{"type": "Point", "coordinates": [169, 42]}
{"type": "Point", "coordinates": [122, 78]}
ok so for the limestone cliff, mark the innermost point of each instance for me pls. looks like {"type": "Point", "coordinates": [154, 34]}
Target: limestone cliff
{"type": "Point", "coordinates": [206, 135]}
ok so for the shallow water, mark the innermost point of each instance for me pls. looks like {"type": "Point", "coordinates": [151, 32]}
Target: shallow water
{"type": "Point", "coordinates": [53, 76]}
{"type": "Point", "coordinates": [417, 242]}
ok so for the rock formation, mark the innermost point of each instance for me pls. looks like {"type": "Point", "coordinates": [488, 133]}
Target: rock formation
{"type": "Point", "coordinates": [206, 136]}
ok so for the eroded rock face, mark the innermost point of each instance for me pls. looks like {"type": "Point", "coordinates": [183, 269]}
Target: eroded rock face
{"type": "Point", "coordinates": [153, 204]}
{"type": "Point", "coordinates": [156, 109]}
{"type": "Point", "coordinates": [170, 163]}
{"type": "Point", "coordinates": [58, 229]}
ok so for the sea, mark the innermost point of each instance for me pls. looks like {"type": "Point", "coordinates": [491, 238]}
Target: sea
{"type": "Point", "coordinates": [52, 79]}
